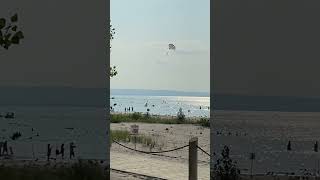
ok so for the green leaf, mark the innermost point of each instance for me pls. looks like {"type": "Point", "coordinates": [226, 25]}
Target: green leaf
{"type": "Point", "coordinates": [14, 18]}
{"type": "Point", "coordinates": [7, 44]}
{"type": "Point", "coordinates": [15, 40]}
{"type": "Point", "coordinates": [2, 23]}
{"type": "Point", "coordinates": [7, 36]}
{"type": "Point", "coordinates": [19, 34]}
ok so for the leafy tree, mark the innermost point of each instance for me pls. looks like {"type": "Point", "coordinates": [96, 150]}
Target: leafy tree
{"type": "Point", "coordinates": [225, 168]}
{"type": "Point", "coordinates": [9, 33]}
{"type": "Point", "coordinates": [113, 71]}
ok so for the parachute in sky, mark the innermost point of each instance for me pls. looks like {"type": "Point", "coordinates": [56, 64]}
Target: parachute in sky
{"type": "Point", "coordinates": [171, 47]}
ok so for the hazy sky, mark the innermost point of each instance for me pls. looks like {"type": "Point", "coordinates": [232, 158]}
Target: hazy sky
{"type": "Point", "coordinates": [267, 47]}
{"type": "Point", "coordinates": [144, 28]}
{"type": "Point", "coordinates": [64, 44]}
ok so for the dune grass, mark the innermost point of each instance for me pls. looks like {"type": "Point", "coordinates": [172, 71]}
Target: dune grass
{"type": "Point", "coordinates": [124, 136]}
{"type": "Point", "coordinates": [78, 171]}
{"type": "Point", "coordinates": [142, 118]}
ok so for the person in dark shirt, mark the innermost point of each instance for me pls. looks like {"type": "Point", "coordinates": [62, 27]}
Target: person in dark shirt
{"type": "Point", "coordinates": [49, 152]}
{"type": "Point", "coordinates": [5, 147]}
{"type": "Point", "coordinates": [289, 146]}
{"type": "Point", "coordinates": [316, 147]}
{"type": "Point", "coordinates": [62, 150]}
{"type": "Point", "coordinates": [57, 152]}
{"type": "Point", "coordinates": [1, 146]}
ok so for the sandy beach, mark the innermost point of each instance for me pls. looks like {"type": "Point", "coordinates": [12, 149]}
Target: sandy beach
{"type": "Point", "coordinates": [172, 165]}
{"type": "Point", "coordinates": [267, 133]}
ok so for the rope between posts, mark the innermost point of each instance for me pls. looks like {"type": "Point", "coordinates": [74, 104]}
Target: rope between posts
{"type": "Point", "coordinates": [204, 151]}
{"type": "Point", "coordinates": [151, 152]}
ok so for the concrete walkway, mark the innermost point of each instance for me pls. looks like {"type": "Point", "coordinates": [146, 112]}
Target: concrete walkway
{"type": "Point", "coordinates": [155, 166]}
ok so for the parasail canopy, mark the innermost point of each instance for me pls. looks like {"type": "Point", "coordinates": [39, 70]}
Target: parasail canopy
{"type": "Point", "coordinates": [172, 47]}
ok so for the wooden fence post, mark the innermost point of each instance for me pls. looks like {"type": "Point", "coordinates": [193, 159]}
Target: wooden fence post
{"type": "Point", "coordinates": [193, 158]}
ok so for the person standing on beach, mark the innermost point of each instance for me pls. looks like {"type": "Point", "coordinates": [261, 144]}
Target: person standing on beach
{"type": "Point", "coordinates": [57, 152]}
{"type": "Point", "coordinates": [62, 151]}
{"type": "Point", "coordinates": [316, 147]}
{"type": "Point", "coordinates": [72, 146]}
{"type": "Point", "coordinates": [1, 145]}
{"type": "Point", "coordinates": [289, 146]}
{"type": "Point", "coordinates": [48, 152]}
{"type": "Point", "coordinates": [132, 109]}
{"type": "Point", "coordinates": [5, 147]}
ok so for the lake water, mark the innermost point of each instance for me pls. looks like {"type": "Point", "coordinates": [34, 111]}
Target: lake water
{"type": "Point", "coordinates": [82, 125]}
{"type": "Point", "coordinates": [55, 125]}
{"type": "Point", "coordinates": [163, 105]}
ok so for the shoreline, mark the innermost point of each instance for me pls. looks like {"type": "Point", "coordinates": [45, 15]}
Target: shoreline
{"type": "Point", "coordinates": [158, 115]}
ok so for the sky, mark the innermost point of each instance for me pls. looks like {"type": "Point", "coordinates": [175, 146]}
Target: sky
{"type": "Point", "coordinates": [64, 44]}
{"type": "Point", "coordinates": [144, 28]}
{"type": "Point", "coordinates": [267, 47]}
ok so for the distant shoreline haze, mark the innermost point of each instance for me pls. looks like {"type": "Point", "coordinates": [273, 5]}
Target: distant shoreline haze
{"type": "Point", "coordinates": [146, 92]}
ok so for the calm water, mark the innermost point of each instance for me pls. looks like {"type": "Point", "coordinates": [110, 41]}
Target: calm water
{"type": "Point", "coordinates": [163, 105]}
{"type": "Point", "coordinates": [55, 125]}
{"type": "Point", "coordinates": [81, 125]}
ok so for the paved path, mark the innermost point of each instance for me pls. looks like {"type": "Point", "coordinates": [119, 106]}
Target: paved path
{"type": "Point", "coordinates": [154, 166]}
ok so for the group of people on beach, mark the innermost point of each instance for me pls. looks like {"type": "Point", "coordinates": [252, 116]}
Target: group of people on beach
{"type": "Point", "coordinates": [9, 115]}
{"type": "Point", "coordinates": [128, 109]}
{"type": "Point", "coordinates": [72, 154]}
{"type": "Point", "coordinates": [289, 147]}
{"type": "Point", "coordinates": [315, 146]}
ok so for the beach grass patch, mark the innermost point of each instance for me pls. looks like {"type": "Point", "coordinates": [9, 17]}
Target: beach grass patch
{"type": "Point", "coordinates": [204, 122]}
{"type": "Point", "coordinates": [154, 119]}
{"type": "Point", "coordinates": [124, 136]}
